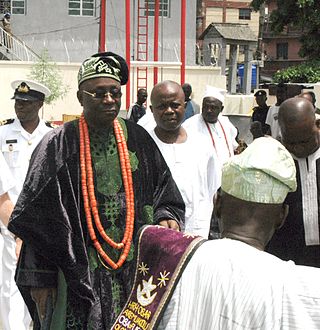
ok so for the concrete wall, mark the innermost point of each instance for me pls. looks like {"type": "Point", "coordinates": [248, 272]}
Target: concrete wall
{"type": "Point", "coordinates": [47, 24]}
{"type": "Point", "coordinates": [214, 15]}
{"type": "Point", "coordinates": [12, 70]}
{"type": "Point", "coordinates": [198, 77]}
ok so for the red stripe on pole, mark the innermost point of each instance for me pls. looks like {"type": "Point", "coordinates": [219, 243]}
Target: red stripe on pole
{"type": "Point", "coordinates": [183, 42]}
{"type": "Point", "coordinates": [128, 33]}
{"type": "Point", "coordinates": [156, 41]}
{"type": "Point", "coordinates": [102, 39]}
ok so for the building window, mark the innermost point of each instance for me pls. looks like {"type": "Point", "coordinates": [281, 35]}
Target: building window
{"type": "Point", "coordinates": [282, 51]}
{"type": "Point", "coordinates": [5, 6]}
{"type": "Point", "coordinates": [81, 7]}
{"type": "Point", "coordinates": [245, 13]}
{"type": "Point", "coordinates": [164, 8]}
{"type": "Point", "coordinates": [18, 7]}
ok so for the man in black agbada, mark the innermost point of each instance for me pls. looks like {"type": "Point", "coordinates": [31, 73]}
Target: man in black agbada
{"type": "Point", "coordinates": [299, 239]}
{"type": "Point", "coordinates": [59, 265]}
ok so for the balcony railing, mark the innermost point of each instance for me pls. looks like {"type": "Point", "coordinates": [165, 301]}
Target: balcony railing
{"type": "Point", "coordinates": [15, 49]}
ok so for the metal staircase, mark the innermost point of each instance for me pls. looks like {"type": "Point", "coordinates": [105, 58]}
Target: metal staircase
{"type": "Point", "coordinates": [142, 43]}
{"type": "Point", "coordinates": [14, 49]}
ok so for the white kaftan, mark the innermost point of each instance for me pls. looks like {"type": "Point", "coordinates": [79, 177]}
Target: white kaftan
{"type": "Point", "coordinates": [231, 285]}
{"type": "Point", "coordinates": [272, 121]}
{"type": "Point", "coordinates": [221, 138]}
{"type": "Point", "coordinates": [147, 121]}
{"type": "Point", "coordinates": [196, 172]}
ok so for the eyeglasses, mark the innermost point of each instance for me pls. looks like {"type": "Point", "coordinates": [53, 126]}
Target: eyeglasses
{"type": "Point", "coordinates": [113, 93]}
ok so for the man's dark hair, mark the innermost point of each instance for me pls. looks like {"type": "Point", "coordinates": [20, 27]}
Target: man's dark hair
{"type": "Point", "coordinates": [141, 90]}
{"type": "Point", "coordinates": [187, 89]}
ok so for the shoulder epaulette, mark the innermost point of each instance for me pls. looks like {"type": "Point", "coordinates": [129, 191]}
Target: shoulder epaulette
{"type": "Point", "coordinates": [6, 121]}
{"type": "Point", "coordinates": [51, 125]}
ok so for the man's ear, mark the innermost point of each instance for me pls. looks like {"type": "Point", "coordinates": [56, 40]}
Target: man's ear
{"type": "Point", "coordinates": [151, 108]}
{"type": "Point", "coordinates": [79, 96]}
{"type": "Point", "coordinates": [40, 104]}
{"type": "Point", "coordinates": [283, 215]}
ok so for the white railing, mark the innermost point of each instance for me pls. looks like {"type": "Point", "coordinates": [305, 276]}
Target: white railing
{"type": "Point", "coordinates": [15, 49]}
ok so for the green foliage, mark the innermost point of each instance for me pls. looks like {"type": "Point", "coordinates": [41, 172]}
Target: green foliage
{"type": "Point", "coordinates": [300, 14]}
{"type": "Point", "coordinates": [305, 2]}
{"type": "Point", "coordinates": [47, 73]}
{"type": "Point", "coordinates": [256, 4]}
{"type": "Point", "coordinates": [303, 73]}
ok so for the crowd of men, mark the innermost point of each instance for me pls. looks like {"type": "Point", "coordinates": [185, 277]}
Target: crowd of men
{"type": "Point", "coordinates": [75, 202]}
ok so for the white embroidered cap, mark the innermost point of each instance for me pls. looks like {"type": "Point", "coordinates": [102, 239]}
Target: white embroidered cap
{"type": "Point", "coordinates": [215, 92]}
{"type": "Point", "coordinates": [263, 173]}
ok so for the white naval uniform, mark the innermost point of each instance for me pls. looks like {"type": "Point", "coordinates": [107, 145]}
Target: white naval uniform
{"type": "Point", "coordinates": [197, 173]}
{"type": "Point", "coordinates": [6, 183]}
{"type": "Point", "coordinates": [17, 146]}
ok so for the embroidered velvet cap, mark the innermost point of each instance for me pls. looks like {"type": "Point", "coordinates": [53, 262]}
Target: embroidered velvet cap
{"type": "Point", "coordinates": [263, 173]}
{"type": "Point", "coordinates": [28, 90]}
{"type": "Point", "coordinates": [215, 92]}
{"type": "Point", "coordinates": [108, 64]}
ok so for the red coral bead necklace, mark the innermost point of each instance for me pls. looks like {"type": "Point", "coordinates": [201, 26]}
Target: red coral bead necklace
{"type": "Point", "coordinates": [89, 199]}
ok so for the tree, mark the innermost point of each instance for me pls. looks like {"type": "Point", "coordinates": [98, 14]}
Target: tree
{"type": "Point", "coordinates": [302, 14]}
{"type": "Point", "coordinates": [47, 72]}
{"type": "Point", "coordinates": [303, 73]}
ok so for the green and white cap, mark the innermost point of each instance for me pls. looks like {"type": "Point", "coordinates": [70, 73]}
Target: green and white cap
{"type": "Point", "coordinates": [107, 65]}
{"type": "Point", "coordinates": [263, 173]}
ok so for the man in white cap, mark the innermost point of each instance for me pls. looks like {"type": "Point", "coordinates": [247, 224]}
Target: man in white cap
{"type": "Point", "coordinates": [231, 283]}
{"type": "Point", "coordinates": [18, 139]}
{"type": "Point", "coordinates": [215, 129]}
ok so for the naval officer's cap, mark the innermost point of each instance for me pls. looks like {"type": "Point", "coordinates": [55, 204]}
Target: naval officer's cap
{"type": "Point", "coordinates": [28, 90]}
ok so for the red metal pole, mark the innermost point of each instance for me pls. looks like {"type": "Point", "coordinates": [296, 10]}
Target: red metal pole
{"type": "Point", "coordinates": [102, 39]}
{"type": "Point", "coordinates": [128, 33]}
{"type": "Point", "coordinates": [156, 41]}
{"type": "Point", "coordinates": [183, 42]}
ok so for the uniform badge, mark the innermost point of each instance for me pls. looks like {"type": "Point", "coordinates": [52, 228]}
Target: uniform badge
{"type": "Point", "coordinates": [23, 88]}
